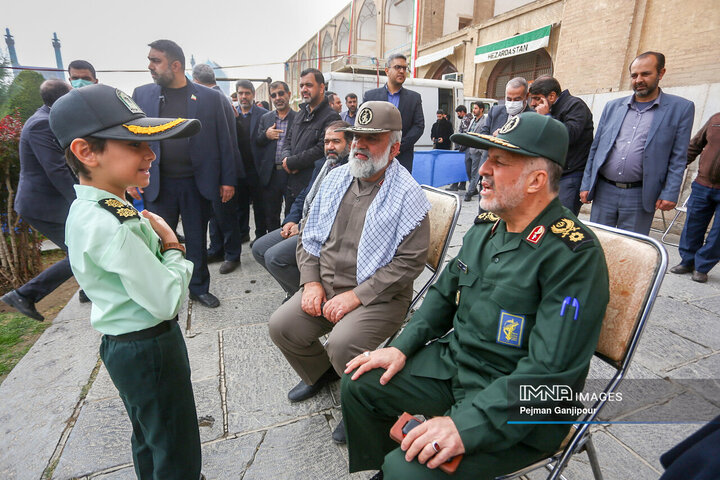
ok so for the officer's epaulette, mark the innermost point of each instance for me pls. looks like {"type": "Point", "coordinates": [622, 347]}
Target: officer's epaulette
{"type": "Point", "coordinates": [121, 211]}
{"type": "Point", "coordinates": [486, 217]}
{"type": "Point", "coordinates": [573, 235]}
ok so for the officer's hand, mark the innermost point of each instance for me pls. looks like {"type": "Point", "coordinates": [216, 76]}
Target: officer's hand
{"type": "Point", "coordinates": [226, 192]}
{"type": "Point", "coordinates": [273, 133]}
{"type": "Point", "coordinates": [390, 358]}
{"type": "Point", "coordinates": [419, 442]}
{"type": "Point", "coordinates": [583, 196]}
{"type": "Point", "coordinates": [163, 230]}
{"type": "Point", "coordinates": [664, 205]}
{"type": "Point", "coordinates": [312, 298]}
{"type": "Point", "coordinates": [340, 305]}
{"type": "Point", "coordinates": [134, 192]}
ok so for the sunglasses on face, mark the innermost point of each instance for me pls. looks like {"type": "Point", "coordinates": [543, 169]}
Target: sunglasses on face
{"type": "Point", "coordinates": [277, 94]}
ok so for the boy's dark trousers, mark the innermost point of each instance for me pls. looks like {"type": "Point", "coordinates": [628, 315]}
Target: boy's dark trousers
{"type": "Point", "coordinates": [153, 378]}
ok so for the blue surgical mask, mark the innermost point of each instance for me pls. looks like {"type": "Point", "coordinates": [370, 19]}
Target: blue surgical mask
{"type": "Point", "coordinates": [80, 82]}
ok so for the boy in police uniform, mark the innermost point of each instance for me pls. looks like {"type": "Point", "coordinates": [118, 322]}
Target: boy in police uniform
{"type": "Point", "coordinates": [525, 295]}
{"type": "Point", "coordinates": [134, 270]}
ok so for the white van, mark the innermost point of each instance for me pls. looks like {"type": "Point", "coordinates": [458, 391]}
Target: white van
{"type": "Point", "coordinates": [436, 94]}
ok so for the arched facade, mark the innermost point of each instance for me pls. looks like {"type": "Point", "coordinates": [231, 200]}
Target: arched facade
{"type": "Point", "coordinates": [343, 36]}
{"type": "Point", "coordinates": [313, 56]}
{"type": "Point", "coordinates": [529, 66]}
{"type": "Point", "coordinates": [445, 67]}
{"type": "Point", "coordinates": [366, 29]}
{"type": "Point", "coordinates": [303, 62]}
{"type": "Point", "coordinates": [398, 26]}
{"type": "Point", "coordinates": [326, 52]}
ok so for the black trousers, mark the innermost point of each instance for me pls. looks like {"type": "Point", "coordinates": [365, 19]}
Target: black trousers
{"type": "Point", "coordinates": [52, 277]}
{"type": "Point", "coordinates": [225, 238]}
{"type": "Point", "coordinates": [153, 378]}
{"type": "Point", "coordinates": [272, 198]}
{"type": "Point", "coordinates": [181, 197]}
{"type": "Point", "coordinates": [249, 192]}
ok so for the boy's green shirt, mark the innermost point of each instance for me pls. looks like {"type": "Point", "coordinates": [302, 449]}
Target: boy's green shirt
{"type": "Point", "coordinates": [116, 260]}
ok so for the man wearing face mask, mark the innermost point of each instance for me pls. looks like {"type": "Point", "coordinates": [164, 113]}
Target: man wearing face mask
{"type": "Point", "coordinates": [81, 74]}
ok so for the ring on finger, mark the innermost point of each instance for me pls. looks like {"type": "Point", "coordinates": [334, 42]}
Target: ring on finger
{"type": "Point", "coordinates": [366, 353]}
{"type": "Point", "coordinates": [435, 446]}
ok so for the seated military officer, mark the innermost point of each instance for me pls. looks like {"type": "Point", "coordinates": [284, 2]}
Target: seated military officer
{"type": "Point", "coordinates": [525, 296]}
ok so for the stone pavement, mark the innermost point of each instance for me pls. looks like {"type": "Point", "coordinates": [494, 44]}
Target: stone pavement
{"type": "Point", "coordinates": [61, 418]}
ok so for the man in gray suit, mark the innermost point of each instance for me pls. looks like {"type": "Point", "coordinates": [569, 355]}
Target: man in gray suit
{"type": "Point", "coordinates": [45, 192]}
{"type": "Point", "coordinates": [473, 156]}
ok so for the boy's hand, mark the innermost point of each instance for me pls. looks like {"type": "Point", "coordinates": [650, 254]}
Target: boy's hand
{"type": "Point", "coordinates": [134, 192]}
{"type": "Point", "coordinates": [166, 234]}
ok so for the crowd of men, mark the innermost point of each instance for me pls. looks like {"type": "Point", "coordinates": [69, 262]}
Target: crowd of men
{"type": "Point", "coordinates": [355, 234]}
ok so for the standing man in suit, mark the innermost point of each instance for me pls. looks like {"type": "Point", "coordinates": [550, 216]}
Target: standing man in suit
{"type": "Point", "coordinates": [252, 154]}
{"type": "Point", "coordinates": [189, 172]}
{"type": "Point", "coordinates": [225, 242]}
{"type": "Point", "coordinates": [305, 140]}
{"type": "Point", "coordinates": [45, 192]}
{"type": "Point", "coordinates": [473, 156]}
{"type": "Point", "coordinates": [639, 153]}
{"type": "Point", "coordinates": [408, 102]}
{"type": "Point", "coordinates": [271, 134]}
{"type": "Point", "coordinates": [547, 98]}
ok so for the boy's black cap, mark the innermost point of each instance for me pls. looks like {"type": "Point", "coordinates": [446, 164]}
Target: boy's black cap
{"type": "Point", "coordinates": [103, 111]}
{"type": "Point", "coordinates": [528, 134]}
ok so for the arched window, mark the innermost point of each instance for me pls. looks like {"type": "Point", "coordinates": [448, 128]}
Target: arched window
{"type": "Point", "coordinates": [343, 36]}
{"type": "Point", "coordinates": [367, 29]}
{"type": "Point", "coordinates": [303, 62]}
{"type": "Point", "coordinates": [313, 57]}
{"type": "Point", "coordinates": [398, 26]}
{"type": "Point", "coordinates": [529, 66]}
{"type": "Point", "coordinates": [326, 52]}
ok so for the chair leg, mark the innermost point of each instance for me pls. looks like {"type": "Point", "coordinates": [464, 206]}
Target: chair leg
{"type": "Point", "coordinates": [592, 456]}
{"type": "Point", "coordinates": [667, 230]}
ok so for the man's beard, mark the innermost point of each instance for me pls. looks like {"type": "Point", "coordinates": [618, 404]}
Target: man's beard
{"type": "Point", "coordinates": [164, 80]}
{"type": "Point", "coordinates": [647, 90]}
{"type": "Point", "coordinates": [367, 168]}
{"type": "Point", "coordinates": [337, 157]}
{"type": "Point", "coordinates": [505, 200]}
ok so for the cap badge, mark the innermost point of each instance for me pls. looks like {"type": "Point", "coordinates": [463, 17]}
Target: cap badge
{"type": "Point", "coordinates": [365, 116]}
{"type": "Point", "coordinates": [510, 125]}
{"type": "Point", "coordinates": [155, 129]}
{"type": "Point", "coordinates": [128, 102]}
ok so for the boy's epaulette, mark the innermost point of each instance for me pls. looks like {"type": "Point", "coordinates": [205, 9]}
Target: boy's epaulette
{"type": "Point", "coordinates": [571, 234]}
{"type": "Point", "coordinates": [121, 211]}
{"type": "Point", "coordinates": [486, 217]}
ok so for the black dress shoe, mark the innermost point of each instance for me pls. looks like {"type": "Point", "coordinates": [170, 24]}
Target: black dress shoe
{"type": "Point", "coordinates": [82, 297]}
{"type": "Point", "coordinates": [22, 305]}
{"type": "Point", "coordinates": [206, 299]}
{"type": "Point", "coordinates": [338, 434]}
{"type": "Point", "coordinates": [378, 476]}
{"type": "Point", "coordinates": [699, 277]}
{"type": "Point", "coordinates": [245, 238]}
{"type": "Point", "coordinates": [461, 186]}
{"type": "Point", "coordinates": [452, 188]}
{"type": "Point", "coordinates": [229, 266]}
{"type": "Point", "coordinates": [180, 237]}
{"type": "Point", "coordinates": [303, 391]}
{"type": "Point", "coordinates": [680, 268]}
{"type": "Point", "coordinates": [215, 257]}
{"type": "Point", "coordinates": [468, 197]}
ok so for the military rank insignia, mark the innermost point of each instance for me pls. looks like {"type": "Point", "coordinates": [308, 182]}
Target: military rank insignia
{"type": "Point", "coordinates": [121, 211]}
{"type": "Point", "coordinates": [571, 234]}
{"type": "Point", "coordinates": [510, 329]}
{"type": "Point", "coordinates": [486, 217]}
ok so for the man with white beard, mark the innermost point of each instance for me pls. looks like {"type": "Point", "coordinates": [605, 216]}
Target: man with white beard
{"type": "Point", "coordinates": [362, 245]}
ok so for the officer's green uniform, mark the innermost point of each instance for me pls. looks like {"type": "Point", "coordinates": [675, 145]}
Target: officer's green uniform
{"type": "Point", "coordinates": [526, 309]}
{"type": "Point", "coordinates": [115, 257]}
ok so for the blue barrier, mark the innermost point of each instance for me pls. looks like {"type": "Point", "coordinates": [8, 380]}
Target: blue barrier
{"type": "Point", "coordinates": [439, 167]}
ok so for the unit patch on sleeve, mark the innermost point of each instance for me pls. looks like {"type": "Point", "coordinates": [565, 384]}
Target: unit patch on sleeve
{"type": "Point", "coordinates": [571, 234]}
{"type": "Point", "coordinates": [121, 211]}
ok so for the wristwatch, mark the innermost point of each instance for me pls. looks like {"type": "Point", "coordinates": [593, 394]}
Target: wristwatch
{"type": "Point", "coordinates": [173, 246]}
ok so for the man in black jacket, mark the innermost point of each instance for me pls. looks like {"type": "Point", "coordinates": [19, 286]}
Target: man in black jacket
{"type": "Point", "coordinates": [546, 97]}
{"type": "Point", "coordinates": [304, 142]}
{"type": "Point", "coordinates": [441, 131]}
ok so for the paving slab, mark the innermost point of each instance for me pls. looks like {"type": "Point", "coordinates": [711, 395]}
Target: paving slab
{"type": "Point", "coordinates": [680, 287]}
{"type": "Point", "coordinates": [663, 350]}
{"type": "Point", "coordinates": [702, 377]}
{"type": "Point", "coordinates": [209, 409]}
{"type": "Point", "coordinates": [203, 353]}
{"type": "Point", "coordinates": [127, 473]}
{"type": "Point", "coordinates": [228, 459]}
{"type": "Point", "coordinates": [299, 450]}
{"type": "Point", "coordinates": [258, 379]}
{"type": "Point", "coordinates": [246, 309]}
{"type": "Point", "coordinates": [39, 395]}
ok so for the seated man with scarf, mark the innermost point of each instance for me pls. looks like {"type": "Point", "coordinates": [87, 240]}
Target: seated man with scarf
{"type": "Point", "coordinates": [361, 246]}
